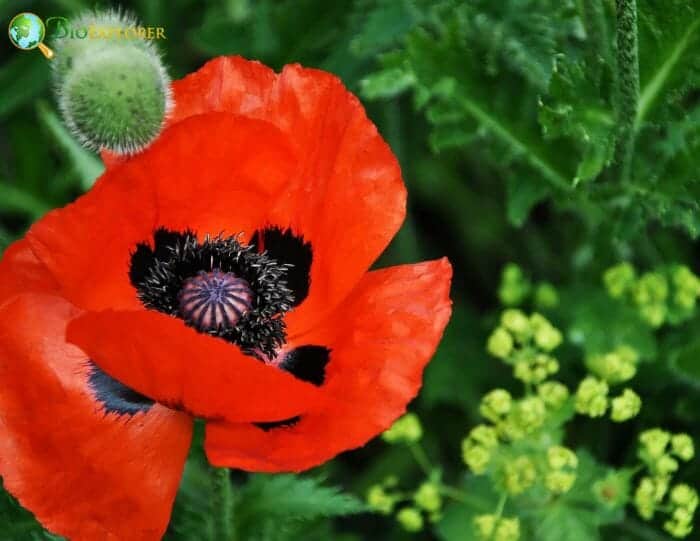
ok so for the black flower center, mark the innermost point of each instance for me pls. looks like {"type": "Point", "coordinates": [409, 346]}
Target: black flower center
{"type": "Point", "coordinates": [217, 286]}
{"type": "Point", "coordinates": [214, 300]}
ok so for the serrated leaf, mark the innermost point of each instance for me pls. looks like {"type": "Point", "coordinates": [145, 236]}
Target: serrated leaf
{"type": "Point", "coordinates": [574, 108]}
{"type": "Point", "coordinates": [280, 498]}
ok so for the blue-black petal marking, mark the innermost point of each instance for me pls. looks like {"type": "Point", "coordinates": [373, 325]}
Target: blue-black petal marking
{"type": "Point", "coordinates": [115, 396]}
{"type": "Point", "coordinates": [286, 247]}
{"type": "Point", "coordinates": [286, 423]}
{"type": "Point", "coordinates": [307, 363]}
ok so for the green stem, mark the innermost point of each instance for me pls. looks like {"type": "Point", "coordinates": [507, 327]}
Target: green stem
{"type": "Point", "coordinates": [501, 504]}
{"type": "Point", "coordinates": [222, 505]}
{"type": "Point", "coordinates": [421, 458]}
{"type": "Point", "coordinates": [628, 80]}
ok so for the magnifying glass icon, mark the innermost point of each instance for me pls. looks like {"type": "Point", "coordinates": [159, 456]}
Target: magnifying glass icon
{"type": "Point", "coordinates": [27, 31]}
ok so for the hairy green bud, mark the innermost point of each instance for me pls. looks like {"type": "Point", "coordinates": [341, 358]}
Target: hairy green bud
{"type": "Point", "coordinates": [114, 93]}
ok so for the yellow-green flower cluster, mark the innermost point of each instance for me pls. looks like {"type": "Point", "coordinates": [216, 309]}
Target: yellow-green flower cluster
{"type": "Point", "coordinates": [667, 295]}
{"type": "Point", "coordinates": [495, 405]}
{"type": "Point", "coordinates": [407, 429]}
{"type": "Point", "coordinates": [626, 406]}
{"type": "Point", "coordinates": [655, 452]}
{"type": "Point", "coordinates": [686, 287]}
{"type": "Point", "coordinates": [381, 500]}
{"type": "Point", "coordinates": [536, 369]}
{"type": "Point", "coordinates": [514, 287]}
{"type": "Point", "coordinates": [526, 343]}
{"type": "Point", "coordinates": [619, 279]}
{"type": "Point", "coordinates": [428, 498]}
{"type": "Point", "coordinates": [553, 393]}
{"type": "Point", "coordinates": [426, 501]}
{"type": "Point", "coordinates": [649, 494]}
{"type": "Point", "coordinates": [478, 448]}
{"type": "Point", "coordinates": [497, 528]}
{"type": "Point", "coordinates": [527, 415]}
{"type": "Point", "coordinates": [561, 473]}
{"type": "Point", "coordinates": [659, 451]}
{"type": "Point", "coordinates": [592, 397]}
{"type": "Point", "coordinates": [650, 294]}
{"type": "Point", "coordinates": [684, 502]}
{"type": "Point", "coordinates": [518, 474]}
{"type": "Point", "coordinates": [616, 366]}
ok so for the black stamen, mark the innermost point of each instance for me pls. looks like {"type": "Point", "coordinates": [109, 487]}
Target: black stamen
{"type": "Point", "coordinates": [217, 286]}
{"type": "Point", "coordinates": [286, 247]}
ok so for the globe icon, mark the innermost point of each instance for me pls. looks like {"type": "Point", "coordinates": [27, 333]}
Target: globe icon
{"type": "Point", "coordinates": [26, 31]}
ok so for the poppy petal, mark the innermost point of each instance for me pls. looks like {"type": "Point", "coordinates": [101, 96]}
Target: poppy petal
{"type": "Point", "coordinates": [162, 358]}
{"type": "Point", "coordinates": [212, 173]}
{"type": "Point", "coordinates": [21, 272]}
{"type": "Point", "coordinates": [380, 339]}
{"type": "Point", "coordinates": [86, 471]}
{"type": "Point", "coordinates": [346, 196]}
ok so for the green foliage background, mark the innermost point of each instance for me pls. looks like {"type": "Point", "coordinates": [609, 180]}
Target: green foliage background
{"type": "Point", "coordinates": [504, 116]}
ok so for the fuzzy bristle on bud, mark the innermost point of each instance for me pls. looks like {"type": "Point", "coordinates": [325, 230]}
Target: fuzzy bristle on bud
{"type": "Point", "coordinates": [113, 90]}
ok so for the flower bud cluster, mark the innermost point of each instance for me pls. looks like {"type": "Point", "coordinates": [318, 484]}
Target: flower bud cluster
{"type": "Point", "coordinates": [406, 429]}
{"type": "Point", "coordinates": [526, 342]}
{"type": "Point", "coordinates": [425, 503]}
{"type": "Point", "coordinates": [660, 452]}
{"type": "Point", "coordinates": [496, 528]}
{"type": "Point", "coordinates": [667, 295]}
{"type": "Point", "coordinates": [515, 288]}
{"type": "Point", "coordinates": [562, 464]}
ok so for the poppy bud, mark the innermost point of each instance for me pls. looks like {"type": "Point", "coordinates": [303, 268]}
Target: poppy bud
{"type": "Point", "coordinates": [112, 88]}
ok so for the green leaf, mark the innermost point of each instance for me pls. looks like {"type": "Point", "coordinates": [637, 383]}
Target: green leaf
{"type": "Point", "coordinates": [524, 192]}
{"type": "Point", "coordinates": [686, 361]}
{"type": "Point", "coordinates": [599, 323]}
{"type": "Point", "coordinates": [279, 499]}
{"type": "Point", "coordinates": [86, 165]}
{"type": "Point", "coordinates": [574, 108]}
{"type": "Point", "coordinates": [15, 200]}
{"type": "Point", "coordinates": [669, 37]}
{"type": "Point", "coordinates": [457, 522]}
{"type": "Point", "coordinates": [22, 78]}
{"type": "Point", "coordinates": [562, 522]}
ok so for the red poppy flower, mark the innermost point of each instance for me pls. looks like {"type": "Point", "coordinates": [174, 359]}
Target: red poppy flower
{"type": "Point", "coordinates": [222, 273]}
